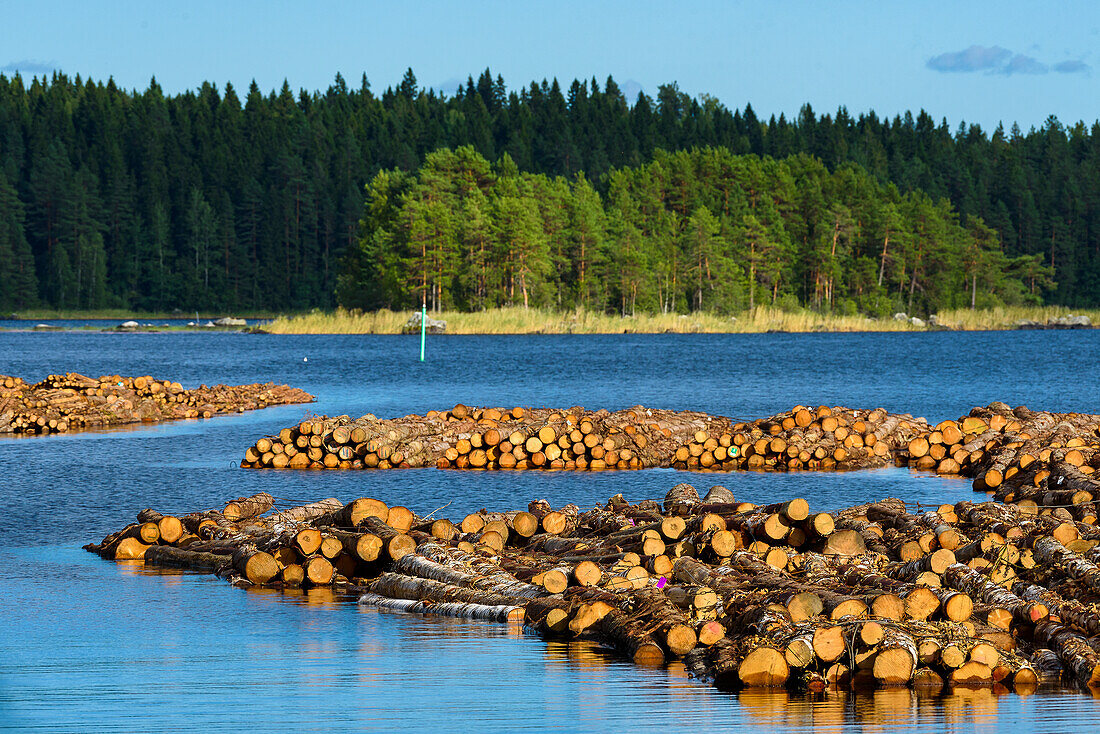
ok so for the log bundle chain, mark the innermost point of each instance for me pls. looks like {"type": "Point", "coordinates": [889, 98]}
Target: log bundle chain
{"type": "Point", "coordinates": [972, 594]}
{"type": "Point", "coordinates": [1048, 458]}
{"type": "Point", "coordinates": [543, 438]}
{"type": "Point", "coordinates": [1001, 593]}
{"type": "Point", "coordinates": [72, 401]}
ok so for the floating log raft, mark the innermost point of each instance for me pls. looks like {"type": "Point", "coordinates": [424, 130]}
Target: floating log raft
{"type": "Point", "coordinates": [1046, 464]}
{"type": "Point", "coordinates": [1031, 458]}
{"type": "Point", "coordinates": [69, 402]}
{"type": "Point", "coordinates": [802, 438]}
{"type": "Point", "coordinates": [971, 594]}
{"type": "Point", "coordinates": [579, 439]}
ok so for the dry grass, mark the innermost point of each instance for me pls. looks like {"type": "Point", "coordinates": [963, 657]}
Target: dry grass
{"type": "Point", "coordinates": [994, 319]}
{"type": "Point", "coordinates": [541, 320]}
{"type": "Point", "coordinates": [42, 314]}
{"type": "Point", "coordinates": [517, 320]}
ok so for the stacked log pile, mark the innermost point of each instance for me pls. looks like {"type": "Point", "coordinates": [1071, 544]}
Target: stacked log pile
{"type": "Point", "coordinates": [968, 595]}
{"type": "Point", "coordinates": [1040, 461]}
{"type": "Point", "coordinates": [72, 401]}
{"type": "Point", "coordinates": [485, 438]}
{"type": "Point", "coordinates": [637, 438]}
{"type": "Point", "coordinates": [1043, 462]}
{"type": "Point", "coordinates": [803, 438]}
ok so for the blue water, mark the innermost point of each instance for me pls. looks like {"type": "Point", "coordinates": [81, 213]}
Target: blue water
{"type": "Point", "coordinates": [87, 644]}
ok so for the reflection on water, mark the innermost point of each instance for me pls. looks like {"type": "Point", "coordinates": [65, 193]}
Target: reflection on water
{"type": "Point", "coordinates": [1055, 708]}
{"type": "Point", "coordinates": [121, 640]}
{"type": "Point", "coordinates": [90, 645]}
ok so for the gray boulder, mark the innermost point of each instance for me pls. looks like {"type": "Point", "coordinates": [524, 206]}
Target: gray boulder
{"type": "Point", "coordinates": [1070, 322]}
{"type": "Point", "coordinates": [917, 322]}
{"type": "Point", "coordinates": [230, 321]}
{"type": "Point", "coordinates": [129, 325]}
{"type": "Point", "coordinates": [900, 316]}
{"type": "Point", "coordinates": [434, 326]}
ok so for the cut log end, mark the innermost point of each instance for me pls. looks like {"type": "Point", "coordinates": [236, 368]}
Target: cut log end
{"type": "Point", "coordinates": [764, 667]}
{"type": "Point", "coordinates": [893, 667]}
{"type": "Point", "coordinates": [972, 675]}
{"type": "Point", "coordinates": [648, 654]}
{"type": "Point", "coordinates": [680, 639]}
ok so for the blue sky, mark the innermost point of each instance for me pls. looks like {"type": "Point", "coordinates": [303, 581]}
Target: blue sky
{"type": "Point", "coordinates": [981, 62]}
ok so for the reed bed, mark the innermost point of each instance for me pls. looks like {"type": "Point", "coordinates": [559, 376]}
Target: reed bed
{"type": "Point", "coordinates": [122, 314]}
{"type": "Point", "coordinates": [995, 319]}
{"type": "Point", "coordinates": [517, 320]}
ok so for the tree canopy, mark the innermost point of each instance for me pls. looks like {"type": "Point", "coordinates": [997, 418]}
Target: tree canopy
{"type": "Point", "coordinates": [692, 230]}
{"type": "Point", "coordinates": [215, 199]}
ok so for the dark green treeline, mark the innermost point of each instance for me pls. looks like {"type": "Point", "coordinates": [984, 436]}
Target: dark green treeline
{"type": "Point", "coordinates": [215, 199]}
{"type": "Point", "coordinates": [692, 230]}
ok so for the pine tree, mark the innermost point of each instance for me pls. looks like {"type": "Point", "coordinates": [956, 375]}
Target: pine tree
{"type": "Point", "coordinates": [587, 244]}
{"type": "Point", "coordinates": [702, 245]}
{"type": "Point", "coordinates": [18, 284]}
{"type": "Point", "coordinates": [522, 242]}
{"type": "Point", "coordinates": [478, 268]}
{"type": "Point", "coordinates": [202, 237]}
{"type": "Point", "coordinates": [51, 187]}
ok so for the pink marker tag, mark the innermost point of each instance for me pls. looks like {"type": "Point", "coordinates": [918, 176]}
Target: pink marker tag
{"type": "Point", "coordinates": [661, 582]}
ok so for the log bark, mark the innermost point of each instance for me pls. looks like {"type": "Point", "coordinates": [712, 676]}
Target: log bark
{"type": "Point", "coordinates": [1052, 553]}
{"type": "Point", "coordinates": [964, 579]}
{"type": "Point", "coordinates": [455, 567]}
{"type": "Point", "coordinates": [631, 640]}
{"type": "Point", "coordinates": [1073, 650]}
{"type": "Point", "coordinates": [446, 609]}
{"type": "Point", "coordinates": [302, 514]}
{"type": "Point", "coordinates": [1070, 611]}
{"type": "Point", "coordinates": [244, 508]}
{"type": "Point", "coordinates": [163, 555]}
{"type": "Point", "coordinates": [400, 586]}
{"type": "Point", "coordinates": [671, 627]}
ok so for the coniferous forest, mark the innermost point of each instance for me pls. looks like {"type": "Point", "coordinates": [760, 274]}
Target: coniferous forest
{"type": "Point", "coordinates": [217, 200]}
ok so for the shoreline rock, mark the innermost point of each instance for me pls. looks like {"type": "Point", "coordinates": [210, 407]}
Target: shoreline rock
{"type": "Point", "coordinates": [1059, 322]}
{"type": "Point", "coordinates": [434, 326]}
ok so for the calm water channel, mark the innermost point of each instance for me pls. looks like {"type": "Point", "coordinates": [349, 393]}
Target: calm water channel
{"type": "Point", "coordinates": [87, 644]}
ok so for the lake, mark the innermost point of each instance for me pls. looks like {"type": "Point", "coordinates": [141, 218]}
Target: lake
{"type": "Point", "coordinates": [93, 645]}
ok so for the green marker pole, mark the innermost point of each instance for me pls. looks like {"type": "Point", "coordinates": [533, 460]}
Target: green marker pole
{"type": "Point", "coordinates": [423, 326]}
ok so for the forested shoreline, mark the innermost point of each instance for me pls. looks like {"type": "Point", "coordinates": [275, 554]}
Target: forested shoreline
{"type": "Point", "coordinates": [215, 200]}
{"type": "Point", "coordinates": [698, 230]}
